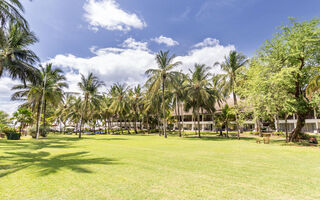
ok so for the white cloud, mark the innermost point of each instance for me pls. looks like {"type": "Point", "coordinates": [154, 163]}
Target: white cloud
{"type": "Point", "coordinates": [6, 105]}
{"type": "Point", "coordinates": [207, 52]}
{"type": "Point", "coordinates": [108, 15]}
{"type": "Point", "coordinates": [126, 64]}
{"type": "Point", "coordinates": [165, 40]}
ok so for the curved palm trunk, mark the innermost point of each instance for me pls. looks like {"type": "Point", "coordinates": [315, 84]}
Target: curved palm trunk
{"type": "Point", "coordinates": [164, 110]}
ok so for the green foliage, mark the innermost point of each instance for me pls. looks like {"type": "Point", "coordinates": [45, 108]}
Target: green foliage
{"type": "Point", "coordinates": [11, 133]}
{"type": "Point", "coordinates": [43, 131]}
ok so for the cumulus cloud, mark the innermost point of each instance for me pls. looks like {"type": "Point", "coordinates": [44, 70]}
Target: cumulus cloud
{"type": "Point", "coordinates": [107, 14]}
{"type": "Point", "coordinates": [207, 52]}
{"type": "Point", "coordinates": [124, 64]}
{"type": "Point", "coordinates": [6, 105]}
{"type": "Point", "coordinates": [165, 40]}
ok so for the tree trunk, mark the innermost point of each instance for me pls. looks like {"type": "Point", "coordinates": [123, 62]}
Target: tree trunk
{"type": "Point", "coordinates": [237, 115]}
{"type": "Point", "coordinates": [176, 115]}
{"type": "Point", "coordinates": [198, 113]}
{"type": "Point", "coordinates": [294, 135]}
{"type": "Point", "coordinates": [148, 128]}
{"type": "Point", "coordinates": [164, 109]}
{"type": "Point", "coordinates": [159, 130]}
{"type": "Point", "coordinates": [121, 125]}
{"type": "Point", "coordinates": [227, 130]}
{"type": "Point", "coordinates": [179, 124]}
{"type": "Point", "coordinates": [135, 124]}
{"type": "Point", "coordinates": [276, 123]}
{"type": "Point", "coordinates": [44, 114]}
{"type": "Point", "coordinates": [38, 119]}
{"type": "Point", "coordinates": [286, 126]}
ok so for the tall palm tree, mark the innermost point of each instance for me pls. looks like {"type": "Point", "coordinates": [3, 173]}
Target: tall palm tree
{"type": "Point", "coordinates": [53, 87]}
{"type": "Point", "coordinates": [230, 67]}
{"type": "Point", "coordinates": [179, 93]}
{"type": "Point", "coordinates": [198, 90]}
{"type": "Point", "coordinates": [15, 56]}
{"type": "Point", "coordinates": [48, 89]}
{"type": "Point", "coordinates": [135, 98]}
{"type": "Point", "coordinates": [105, 112]}
{"type": "Point", "coordinates": [89, 86]}
{"type": "Point", "coordinates": [158, 78]}
{"type": "Point", "coordinates": [119, 105]}
{"type": "Point", "coordinates": [10, 10]}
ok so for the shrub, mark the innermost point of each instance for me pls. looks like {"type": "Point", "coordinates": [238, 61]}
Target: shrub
{"type": "Point", "coordinates": [11, 134]}
{"type": "Point", "coordinates": [43, 132]}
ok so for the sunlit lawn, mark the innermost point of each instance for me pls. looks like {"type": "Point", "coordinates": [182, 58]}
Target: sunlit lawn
{"type": "Point", "coordinates": [151, 167]}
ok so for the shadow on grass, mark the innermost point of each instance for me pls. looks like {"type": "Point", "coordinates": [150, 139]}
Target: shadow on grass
{"type": "Point", "coordinates": [47, 164]}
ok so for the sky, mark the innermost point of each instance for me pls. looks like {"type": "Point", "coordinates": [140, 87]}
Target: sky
{"type": "Point", "coordinates": [118, 39]}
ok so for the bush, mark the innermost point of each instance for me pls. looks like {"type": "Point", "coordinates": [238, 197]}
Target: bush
{"type": "Point", "coordinates": [43, 132]}
{"type": "Point", "coordinates": [280, 133]}
{"type": "Point", "coordinates": [11, 134]}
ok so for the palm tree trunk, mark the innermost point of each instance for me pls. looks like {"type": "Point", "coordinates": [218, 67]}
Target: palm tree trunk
{"type": "Point", "coordinates": [198, 113]}
{"type": "Point", "coordinates": [164, 109]}
{"type": "Point", "coordinates": [38, 119]}
{"type": "Point", "coordinates": [81, 119]}
{"type": "Point", "coordinates": [44, 114]}
{"type": "Point", "coordinates": [121, 125]}
{"type": "Point", "coordinates": [148, 128]}
{"type": "Point", "coordinates": [176, 114]}
{"type": "Point", "coordinates": [159, 130]}
{"type": "Point", "coordinates": [135, 124]}
{"type": "Point", "coordinates": [237, 115]}
{"type": "Point", "coordinates": [179, 125]}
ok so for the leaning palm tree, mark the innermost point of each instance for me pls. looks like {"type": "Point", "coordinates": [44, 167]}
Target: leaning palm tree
{"type": "Point", "coordinates": [198, 90]}
{"type": "Point", "coordinates": [160, 76]}
{"type": "Point", "coordinates": [15, 56]}
{"type": "Point", "coordinates": [89, 86]}
{"type": "Point", "coordinates": [48, 89]}
{"type": "Point", "coordinates": [230, 67]}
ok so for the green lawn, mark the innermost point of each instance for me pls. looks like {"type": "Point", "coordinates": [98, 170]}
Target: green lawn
{"type": "Point", "coordinates": [151, 167]}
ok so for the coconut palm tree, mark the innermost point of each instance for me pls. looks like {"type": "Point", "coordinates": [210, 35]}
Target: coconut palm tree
{"type": "Point", "coordinates": [230, 67]}
{"type": "Point", "coordinates": [15, 56]}
{"type": "Point", "coordinates": [119, 105]}
{"type": "Point", "coordinates": [198, 90]}
{"type": "Point", "coordinates": [179, 93]}
{"type": "Point", "coordinates": [47, 89]}
{"type": "Point", "coordinates": [135, 98]}
{"type": "Point", "coordinates": [90, 95]}
{"type": "Point", "coordinates": [10, 10]}
{"type": "Point", "coordinates": [105, 112]}
{"type": "Point", "coordinates": [160, 76]}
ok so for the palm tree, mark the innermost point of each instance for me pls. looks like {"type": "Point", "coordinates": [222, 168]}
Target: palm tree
{"type": "Point", "coordinates": [119, 105]}
{"type": "Point", "coordinates": [313, 86]}
{"type": "Point", "coordinates": [198, 90]}
{"type": "Point", "coordinates": [178, 91]}
{"type": "Point", "coordinates": [105, 112]}
{"type": "Point", "coordinates": [48, 89]}
{"type": "Point", "coordinates": [230, 67]}
{"type": "Point", "coordinates": [53, 85]}
{"type": "Point", "coordinates": [159, 76]}
{"type": "Point", "coordinates": [225, 117]}
{"type": "Point", "coordinates": [135, 97]}
{"type": "Point", "coordinates": [10, 10]}
{"type": "Point", "coordinates": [15, 56]}
{"type": "Point", "coordinates": [89, 86]}
{"type": "Point", "coordinates": [24, 117]}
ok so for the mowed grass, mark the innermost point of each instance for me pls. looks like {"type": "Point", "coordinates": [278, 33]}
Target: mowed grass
{"type": "Point", "coordinates": [151, 167]}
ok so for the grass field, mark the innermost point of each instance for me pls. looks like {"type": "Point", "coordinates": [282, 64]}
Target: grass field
{"type": "Point", "coordinates": [151, 167]}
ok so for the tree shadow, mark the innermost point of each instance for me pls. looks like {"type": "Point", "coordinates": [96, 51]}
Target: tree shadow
{"type": "Point", "coordinates": [77, 162]}
{"type": "Point", "coordinates": [34, 145]}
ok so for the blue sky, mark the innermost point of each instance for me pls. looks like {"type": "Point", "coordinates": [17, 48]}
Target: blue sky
{"type": "Point", "coordinates": [117, 39]}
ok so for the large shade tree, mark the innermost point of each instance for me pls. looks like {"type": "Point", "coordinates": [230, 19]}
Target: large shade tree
{"type": "Point", "coordinates": [295, 48]}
